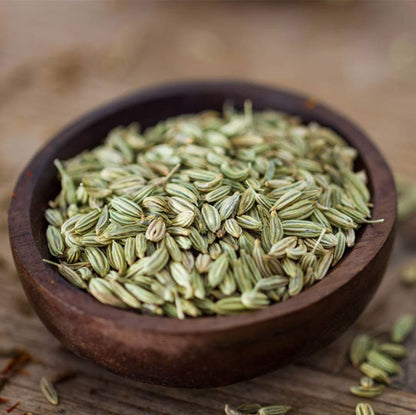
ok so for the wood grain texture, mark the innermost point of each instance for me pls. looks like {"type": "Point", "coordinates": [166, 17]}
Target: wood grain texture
{"type": "Point", "coordinates": [344, 55]}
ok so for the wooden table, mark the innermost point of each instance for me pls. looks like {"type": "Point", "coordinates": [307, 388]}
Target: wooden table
{"type": "Point", "coordinates": [58, 59]}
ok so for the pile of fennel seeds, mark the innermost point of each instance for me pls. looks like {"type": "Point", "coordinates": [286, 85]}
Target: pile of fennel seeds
{"type": "Point", "coordinates": [207, 214]}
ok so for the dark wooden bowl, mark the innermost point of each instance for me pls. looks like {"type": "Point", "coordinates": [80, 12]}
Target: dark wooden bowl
{"type": "Point", "coordinates": [207, 351]}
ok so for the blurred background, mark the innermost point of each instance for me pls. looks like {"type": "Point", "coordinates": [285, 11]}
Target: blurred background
{"type": "Point", "coordinates": [59, 59]}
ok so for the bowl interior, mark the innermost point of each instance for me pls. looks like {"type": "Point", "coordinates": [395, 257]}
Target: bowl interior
{"type": "Point", "coordinates": [151, 106]}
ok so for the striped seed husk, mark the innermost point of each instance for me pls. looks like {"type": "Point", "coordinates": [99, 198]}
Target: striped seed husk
{"type": "Point", "coordinates": [396, 351]}
{"type": "Point", "coordinates": [274, 410]}
{"type": "Point", "coordinates": [208, 214]}
{"type": "Point", "coordinates": [367, 392]}
{"type": "Point", "coordinates": [364, 409]}
{"type": "Point", "coordinates": [375, 373]}
{"type": "Point", "coordinates": [402, 328]}
{"type": "Point", "coordinates": [359, 348]}
{"type": "Point", "coordinates": [380, 360]}
{"type": "Point", "coordinates": [49, 391]}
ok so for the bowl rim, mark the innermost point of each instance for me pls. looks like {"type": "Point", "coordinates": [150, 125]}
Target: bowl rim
{"type": "Point", "coordinates": [27, 255]}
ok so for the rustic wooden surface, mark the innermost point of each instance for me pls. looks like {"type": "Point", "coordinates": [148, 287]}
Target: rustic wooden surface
{"type": "Point", "coordinates": [58, 59]}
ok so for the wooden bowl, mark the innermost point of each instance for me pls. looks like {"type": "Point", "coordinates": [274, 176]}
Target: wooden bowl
{"type": "Point", "coordinates": [207, 351]}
